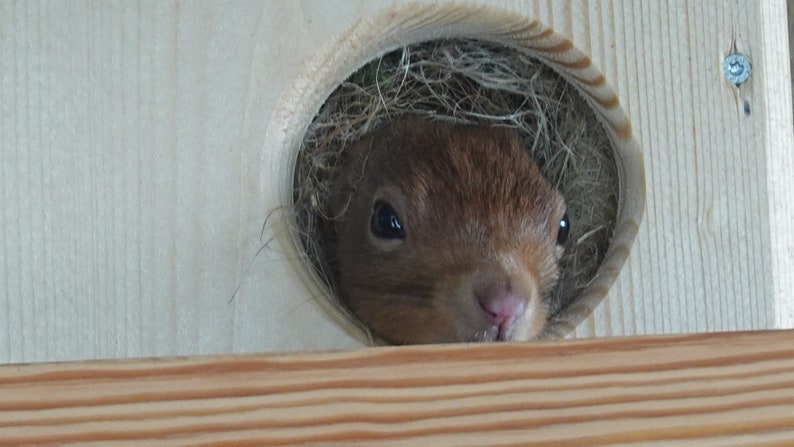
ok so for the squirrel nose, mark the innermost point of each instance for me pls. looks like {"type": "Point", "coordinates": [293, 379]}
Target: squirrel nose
{"type": "Point", "coordinates": [502, 305]}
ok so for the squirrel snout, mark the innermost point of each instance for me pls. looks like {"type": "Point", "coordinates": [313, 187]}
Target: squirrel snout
{"type": "Point", "coordinates": [502, 305]}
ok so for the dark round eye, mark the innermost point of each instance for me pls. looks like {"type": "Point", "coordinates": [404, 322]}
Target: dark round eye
{"type": "Point", "coordinates": [565, 228]}
{"type": "Point", "coordinates": [385, 223]}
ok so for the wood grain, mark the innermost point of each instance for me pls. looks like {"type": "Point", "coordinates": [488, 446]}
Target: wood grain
{"type": "Point", "coordinates": [142, 150]}
{"type": "Point", "coordinates": [718, 389]}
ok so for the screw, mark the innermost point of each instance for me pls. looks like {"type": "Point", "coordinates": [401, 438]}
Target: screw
{"type": "Point", "coordinates": [736, 68]}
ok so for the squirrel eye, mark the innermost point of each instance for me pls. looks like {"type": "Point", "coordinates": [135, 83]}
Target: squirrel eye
{"type": "Point", "coordinates": [385, 224]}
{"type": "Point", "coordinates": [565, 228]}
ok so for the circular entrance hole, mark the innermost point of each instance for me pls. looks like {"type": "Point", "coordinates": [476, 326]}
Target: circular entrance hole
{"type": "Point", "coordinates": [505, 71]}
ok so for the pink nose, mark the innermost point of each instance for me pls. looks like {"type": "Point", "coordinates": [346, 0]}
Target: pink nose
{"type": "Point", "coordinates": [502, 305]}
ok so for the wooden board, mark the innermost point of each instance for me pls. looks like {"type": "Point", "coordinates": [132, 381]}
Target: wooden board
{"type": "Point", "coordinates": [138, 165]}
{"type": "Point", "coordinates": [705, 390]}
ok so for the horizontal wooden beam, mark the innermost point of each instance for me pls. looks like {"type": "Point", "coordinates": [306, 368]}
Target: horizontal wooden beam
{"type": "Point", "coordinates": [713, 389]}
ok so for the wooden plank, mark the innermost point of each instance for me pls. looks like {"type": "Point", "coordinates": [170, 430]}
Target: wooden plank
{"type": "Point", "coordinates": [717, 389]}
{"type": "Point", "coordinates": [780, 124]}
{"type": "Point", "coordinates": [142, 148]}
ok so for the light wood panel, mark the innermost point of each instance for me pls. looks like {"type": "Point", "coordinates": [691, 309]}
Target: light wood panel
{"type": "Point", "coordinates": [139, 162]}
{"type": "Point", "coordinates": [705, 390]}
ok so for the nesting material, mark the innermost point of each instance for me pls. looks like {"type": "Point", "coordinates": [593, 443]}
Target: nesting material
{"type": "Point", "coordinates": [466, 81]}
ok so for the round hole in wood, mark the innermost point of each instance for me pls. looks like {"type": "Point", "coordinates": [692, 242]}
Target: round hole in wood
{"type": "Point", "coordinates": [477, 65]}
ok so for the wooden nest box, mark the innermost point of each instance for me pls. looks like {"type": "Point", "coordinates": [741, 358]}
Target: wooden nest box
{"type": "Point", "coordinates": [147, 154]}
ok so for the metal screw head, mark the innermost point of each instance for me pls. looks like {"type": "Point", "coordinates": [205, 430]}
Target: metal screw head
{"type": "Point", "coordinates": [736, 68]}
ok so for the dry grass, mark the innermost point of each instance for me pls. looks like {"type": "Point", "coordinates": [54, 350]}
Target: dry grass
{"type": "Point", "coordinates": [466, 81]}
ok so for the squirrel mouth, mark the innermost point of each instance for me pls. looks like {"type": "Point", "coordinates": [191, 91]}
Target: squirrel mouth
{"type": "Point", "coordinates": [495, 334]}
{"type": "Point", "coordinates": [502, 332]}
